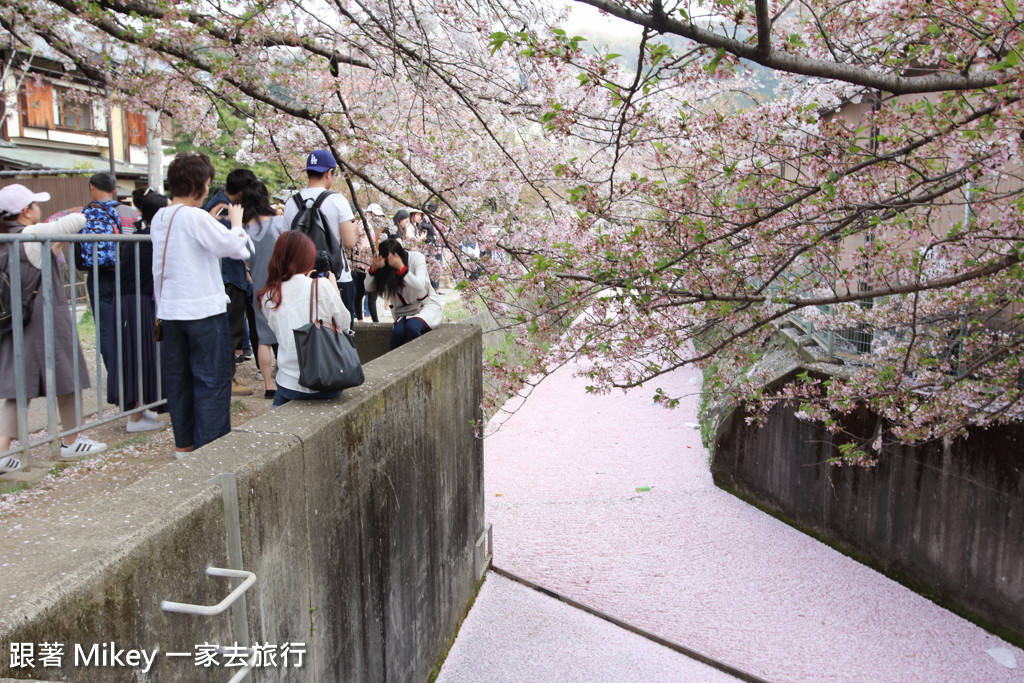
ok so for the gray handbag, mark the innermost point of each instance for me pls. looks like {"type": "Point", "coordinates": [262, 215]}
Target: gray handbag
{"type": "Point", "coordinates": [328, 360]}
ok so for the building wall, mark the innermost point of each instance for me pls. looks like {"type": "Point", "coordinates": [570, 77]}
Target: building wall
{"type": "Point", "coordinates": [128, 141]}
{"type": "Point", "coordinates": [64, 192]}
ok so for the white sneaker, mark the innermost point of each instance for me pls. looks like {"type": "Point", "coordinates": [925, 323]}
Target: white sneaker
{"type": "Point", "coordinates": [150, 415]}
{"type": "Point", "coordinates": [83, 445]}
{"type": "Point", "coordinates": [146, 424]}
{"type": "Point", "coordinates": [10, 463]}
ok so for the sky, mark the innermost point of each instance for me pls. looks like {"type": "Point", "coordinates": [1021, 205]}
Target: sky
{"type": "Point", "coordinates": [588, 21]}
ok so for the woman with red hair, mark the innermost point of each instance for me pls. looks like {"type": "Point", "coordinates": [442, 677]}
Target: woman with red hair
{"type": "Point", "coordinates": [285, 302]}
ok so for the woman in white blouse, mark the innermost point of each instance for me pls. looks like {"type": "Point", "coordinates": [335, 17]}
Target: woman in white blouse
{"type": "Point", "coordinates": [196, 355]}
{"type": "Point", "coordinates": [285, 301]}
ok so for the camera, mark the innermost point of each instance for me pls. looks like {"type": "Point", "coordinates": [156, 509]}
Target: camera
{"type": "Point", "coordinates": [323, 262]}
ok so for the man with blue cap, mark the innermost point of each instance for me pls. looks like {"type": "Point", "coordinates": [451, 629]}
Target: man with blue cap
{"type": "Point", "coordinates": [336, 213]}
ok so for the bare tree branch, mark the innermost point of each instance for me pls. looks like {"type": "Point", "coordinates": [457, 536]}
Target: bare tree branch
{"type": "Point", "coordinates": [806, 66]}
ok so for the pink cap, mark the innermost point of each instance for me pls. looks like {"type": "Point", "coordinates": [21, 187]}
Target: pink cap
{"type": "Point", "coordinates": [14, 198]}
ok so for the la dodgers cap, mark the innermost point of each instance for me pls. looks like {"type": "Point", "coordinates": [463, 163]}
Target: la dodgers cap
{"type": "Point", "coordinates": [320, 161]}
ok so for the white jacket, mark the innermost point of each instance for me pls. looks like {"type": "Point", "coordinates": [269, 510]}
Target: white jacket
{"type": "Point", "coordinates": [417, 298]}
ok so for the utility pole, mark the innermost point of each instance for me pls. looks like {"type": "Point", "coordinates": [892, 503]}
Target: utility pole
{"type": "Point", "coordinates": [110, 129]}
{"type": "Point", "coordinates": [155, 151]}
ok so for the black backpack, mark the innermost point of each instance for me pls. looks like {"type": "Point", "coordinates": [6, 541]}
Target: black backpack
{"type": "Point", "coordinates": [311, 221]}
{"type": "Point", "coordinates": [6, 304]}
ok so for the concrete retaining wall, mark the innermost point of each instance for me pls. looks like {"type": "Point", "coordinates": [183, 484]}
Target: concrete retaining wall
{"type": "Point", "coordinates": [946, 518]}
{"type": "Point", "coordinates": [358, 517]}
{"type": "Point", "coordinates": [492, 336]}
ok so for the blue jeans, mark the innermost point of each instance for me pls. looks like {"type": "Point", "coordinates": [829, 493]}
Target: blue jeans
{"type": "Point", "coordinates": [101, 300]}
{"type": "Point", "coordinates": [197, 365]}
{"type": "Point", "coordinates": [370, 304]}
{"type": "Point", "coordinates": [405, 330]}
{"type": "Point", "coordinates": [285, 395]}
{"type": "Point", "coordinates": [348, 298]}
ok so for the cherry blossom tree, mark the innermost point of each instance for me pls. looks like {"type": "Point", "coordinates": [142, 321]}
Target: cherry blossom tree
{"type": "Point", "coordinates": [749, 164]}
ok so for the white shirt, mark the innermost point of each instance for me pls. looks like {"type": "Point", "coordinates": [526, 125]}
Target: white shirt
{"type": "Point", "coordinates": [293, 313]}
{"type": "Point", "coordinates": [337, 211]}
{"type": "Point", "coordinates": [192, 288]}
{"type": "Point", "coordinates": [65, 225]}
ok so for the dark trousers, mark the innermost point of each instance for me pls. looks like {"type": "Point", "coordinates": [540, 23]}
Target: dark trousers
{"type": "Point", "coordinates": [250, 319]}
{"type": "Point", "coordinates": [405, 330]}
{"type": "Point", "coordinates": [359, 277]}
{"type": "Point", "coordinates": [236, 318]}
{"type": "Point", "coordinates": [197, 365]}
{"type": "Point", "coordinates": [104, 312]}
{"type": "Point", "coordinates": [348, 297]}
{"type": "Point", "coordinates": [436, 284]}
{"type": "Point", "coordinates": [285, 395]}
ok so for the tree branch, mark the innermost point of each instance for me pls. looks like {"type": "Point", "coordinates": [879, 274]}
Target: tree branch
{"type": "Point", "coordinates": [764, 29]}
{"type": "Point", "coordinates": [806, 66]}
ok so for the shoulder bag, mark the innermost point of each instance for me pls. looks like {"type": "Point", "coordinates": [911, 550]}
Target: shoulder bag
{"type": "Point", "coordinates": [328, 360]}
{"type": "Point", "coordinates": [158, 330]}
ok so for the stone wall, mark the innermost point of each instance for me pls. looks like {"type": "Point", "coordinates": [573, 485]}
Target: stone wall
{"type": "Point", "coordinates": [358, 516]}
{"type": "Point", "coordinates": [946, 518]}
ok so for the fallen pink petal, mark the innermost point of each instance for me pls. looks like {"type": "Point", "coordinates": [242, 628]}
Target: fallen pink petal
{"type": "Point", "coordinates": [692, 564]}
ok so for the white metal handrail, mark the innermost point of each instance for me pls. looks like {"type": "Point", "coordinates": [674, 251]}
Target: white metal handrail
{"type": "Point", "coordinates": [223, 605]}
{"type": "Point", "coordinates": [250, 663]}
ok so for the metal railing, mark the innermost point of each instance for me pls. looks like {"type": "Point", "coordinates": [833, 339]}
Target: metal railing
{"type": "Point", "coordinates": [843, 343]}
{"type": "Point", "coordinates": [52, 299]}
{"type": "Point", "coordinates": [838, 342]}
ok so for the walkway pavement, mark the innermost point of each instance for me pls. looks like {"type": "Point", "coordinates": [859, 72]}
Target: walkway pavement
{"type": "Point", "coordinates": [565, 482]}
{"type": "Point", "coordinates": [529, 636]}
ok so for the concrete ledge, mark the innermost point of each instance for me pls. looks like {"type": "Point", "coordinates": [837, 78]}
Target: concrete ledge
{"type": "Point", "coordinates": [358, 517]}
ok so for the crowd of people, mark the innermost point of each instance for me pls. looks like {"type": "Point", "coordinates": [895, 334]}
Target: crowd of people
{"type": "Point", "coordinates": [224, 273]}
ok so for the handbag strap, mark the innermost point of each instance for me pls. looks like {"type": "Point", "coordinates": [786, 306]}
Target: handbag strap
{"type": "Point", "coordinates": [314, 301]}
{"type": "Point", "coordinates": [314, 306]}
{"type": "Point", "coordinates": [163, 259]}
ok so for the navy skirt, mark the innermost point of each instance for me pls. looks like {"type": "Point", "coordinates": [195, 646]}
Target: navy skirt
{"type": "Point", "coordinates": [132, 347]}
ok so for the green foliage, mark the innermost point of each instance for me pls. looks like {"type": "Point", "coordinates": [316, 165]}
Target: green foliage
{"type": "Point", "coordinates": [850, 453]}
{"type": "Point", "coordinates": [505, 350]}
{"type": "Point", "coordinates": [87, 326]}
{"type": "Point", "coordinates": [57, 468]}
{"type": "Point", "coordinates": [131, 441]}
{"type": "Point", "coordinates": [222, 155]}
{"type": "Point", "coordinates": [707, 415]}
{"type": "Point", "coordinates": [10, 487]}
{"type": "Point", "coordinates": [1012, 59]}
{"type": "Point", "coordinates": [456, 311]}
{"type": "Point", "coordinates": [497, 40]}
{"type": "Point", "coordinates": [715, 61]}
{"type": "Point", "coordinates": [663, 399]}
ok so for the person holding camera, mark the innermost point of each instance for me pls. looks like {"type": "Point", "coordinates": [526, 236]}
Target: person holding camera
{"type": "Point", "coordinates": [196, 354]}
{"type": "Point", "coordinates": [285, 301]}
{"type": "Point", "coordinates": [335, 215]}
{"type": "Point", "coordinates": [401, 277]}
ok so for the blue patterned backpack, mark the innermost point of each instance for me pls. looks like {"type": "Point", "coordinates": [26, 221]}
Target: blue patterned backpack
{"type": "Point", "coordinates": [101, 218]}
